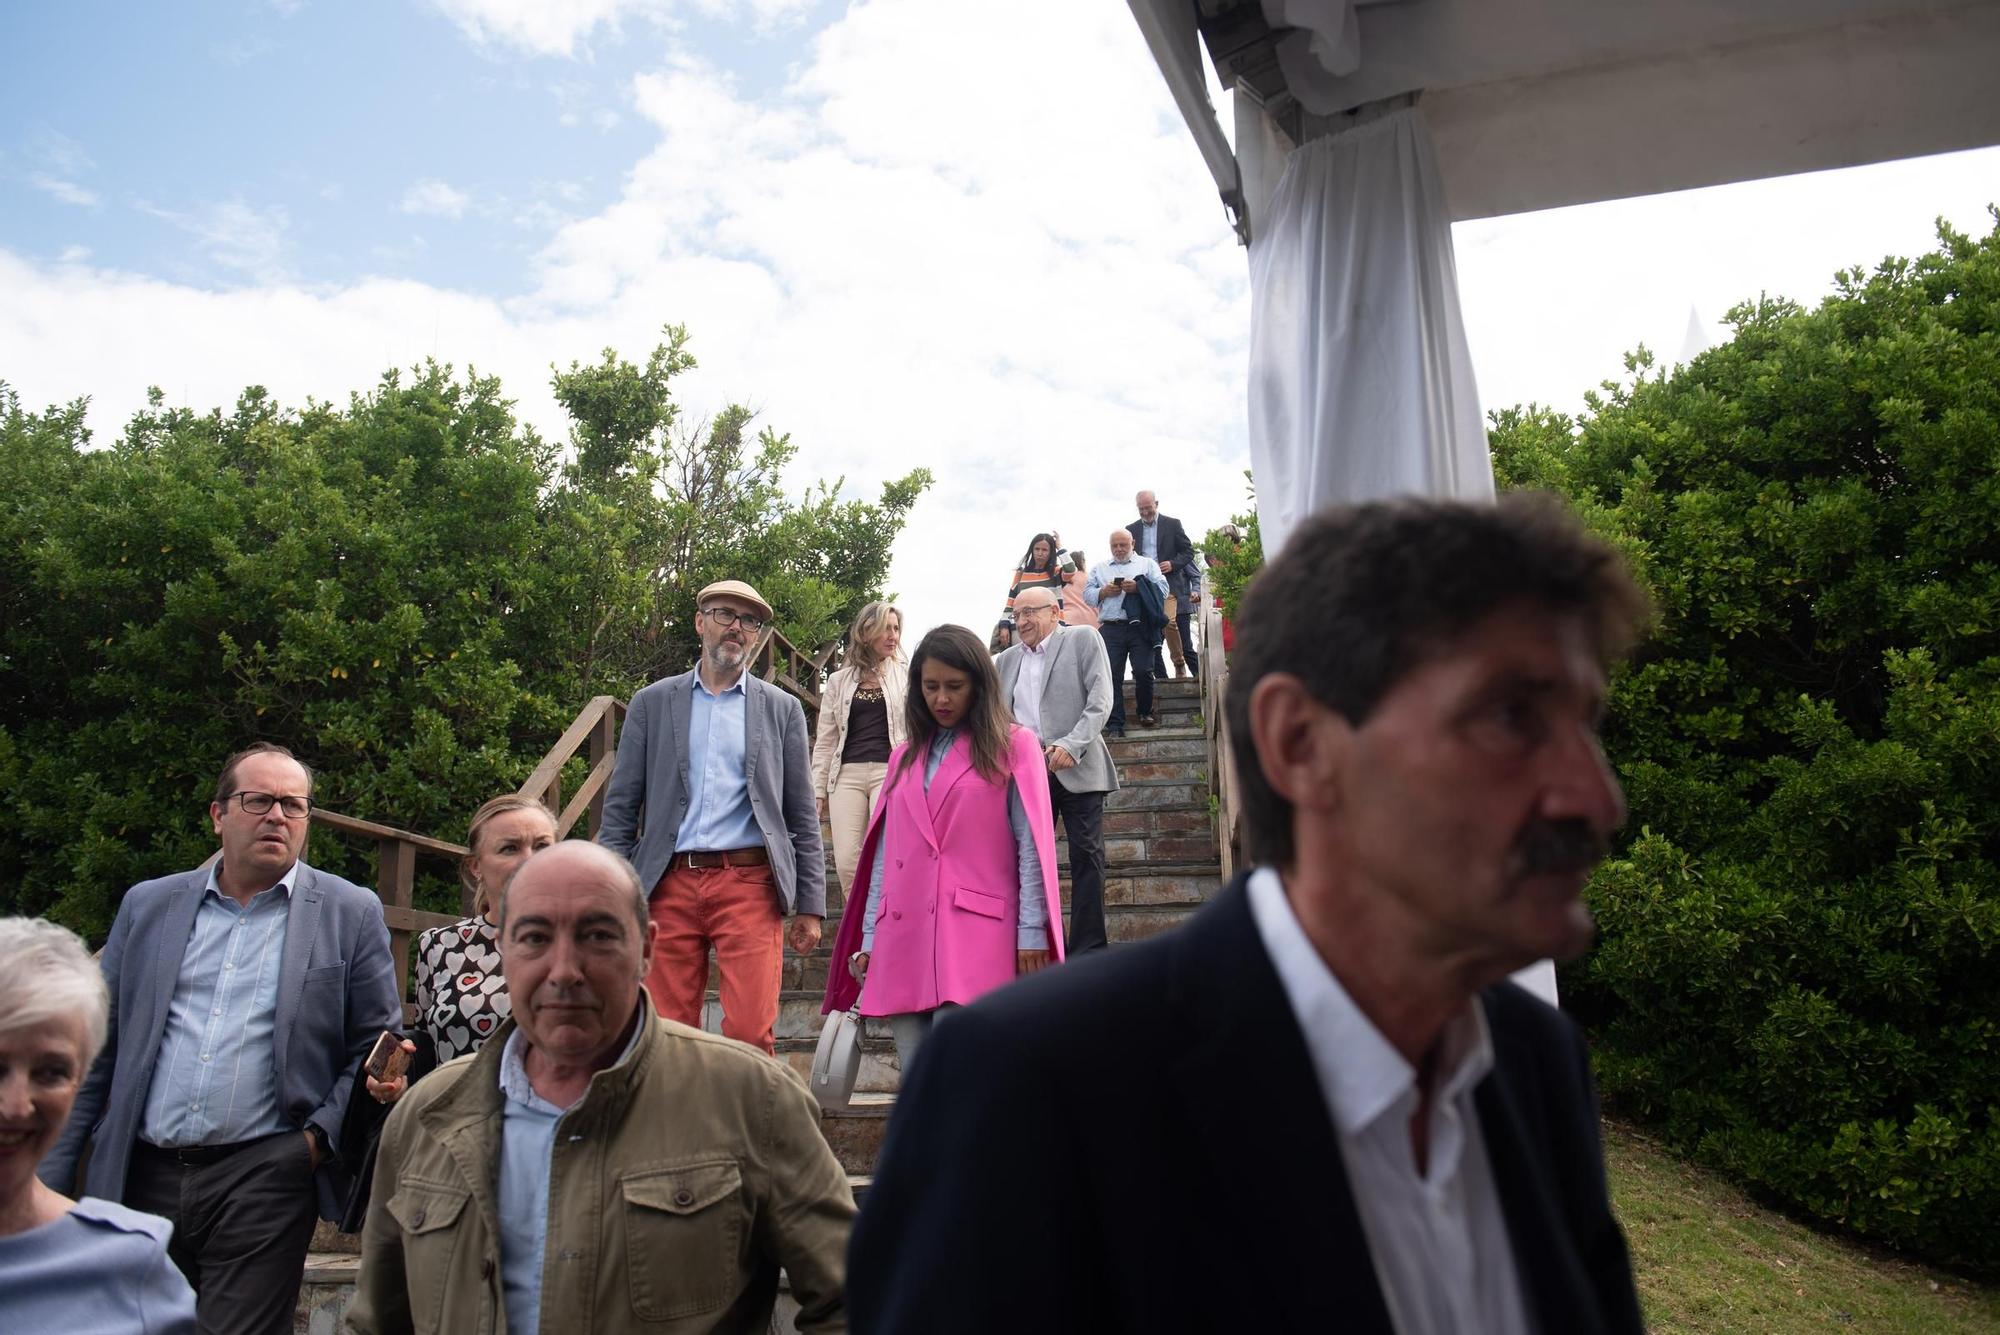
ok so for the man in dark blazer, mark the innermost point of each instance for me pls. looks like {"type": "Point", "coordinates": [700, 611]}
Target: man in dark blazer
{"type": "Point", "coordinates": [1319, 1105]}
{"type": "Point", "coordinates": [245, 995]}
{"type": "Point", "coordinates": [711, 799]}
{"type": "Point", "coordinates": [1161, 538]}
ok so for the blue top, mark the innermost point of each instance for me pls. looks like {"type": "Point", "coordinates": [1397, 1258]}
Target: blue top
{"type": "Point", "coordinates": [529, 1125]}
{"type": "Point", "coordinates": [217, 1081]}
{"type": "Point", "coordinates": [719, 815]}
{"type": "Point", "coordinates": [1147, 544]}
{"type": "Point", "coordinates": [1111, 606]}
{"type": "Point", "coordinates": [101, 1268]}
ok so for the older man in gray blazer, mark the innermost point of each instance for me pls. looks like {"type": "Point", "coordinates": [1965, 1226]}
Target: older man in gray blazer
{"type": "Point", "coordinates": [1057, 679]}
{"type": "Point", "coordinates": [711, 799]}
{"type": "Point", "coordinates": [244, 996]}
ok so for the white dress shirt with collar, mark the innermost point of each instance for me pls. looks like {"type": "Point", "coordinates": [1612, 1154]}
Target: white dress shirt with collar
{"type": "Point", "coordinates": [1030, 681]}
{"type": "Point", "coordinates": [1438, 1238]}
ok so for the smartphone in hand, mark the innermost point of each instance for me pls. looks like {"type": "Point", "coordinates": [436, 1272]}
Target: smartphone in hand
{"type": "Point", "coordinates": [386, 1060]}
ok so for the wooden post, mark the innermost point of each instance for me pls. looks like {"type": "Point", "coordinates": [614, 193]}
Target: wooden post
{"type": "Point", "coordinates": [396, 860]}
{"type": "Point", "coordinates": [603, 743]}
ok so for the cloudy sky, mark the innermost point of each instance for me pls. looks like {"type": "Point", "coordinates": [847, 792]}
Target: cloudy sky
{"type": "Point", "coordinates": [974, 237]}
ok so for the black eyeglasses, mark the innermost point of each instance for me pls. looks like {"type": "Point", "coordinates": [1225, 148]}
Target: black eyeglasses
{"type": "Point", "coordinates": [260, 804]}
{"type": "Point", "coordinates": [726, 617]}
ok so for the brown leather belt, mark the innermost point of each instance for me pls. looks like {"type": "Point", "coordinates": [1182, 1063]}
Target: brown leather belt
{"type": "Point", "coordinates": [727, 857]}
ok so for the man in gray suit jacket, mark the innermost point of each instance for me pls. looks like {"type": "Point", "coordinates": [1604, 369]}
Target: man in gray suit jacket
{"type": "Point", "coordinates": [1057, 679]}
{"type": "Point", "coordinates": [244, 996]}
{"type": "Point", "coordinates": [711, 799]}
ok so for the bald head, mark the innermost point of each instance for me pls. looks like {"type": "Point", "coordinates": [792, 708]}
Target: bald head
{"type": "Point", "coordinates": [1148, 506]}
{"type": "Point", "coordinates": [574, 862]}
{"type": "Point", "coordinates": [1121, 544]}
{"type": "Point", "coordinates": [1034, 615]}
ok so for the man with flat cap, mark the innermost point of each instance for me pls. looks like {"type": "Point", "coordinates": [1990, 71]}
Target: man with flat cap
{"type": "Point", "coordinates": [712, 800]}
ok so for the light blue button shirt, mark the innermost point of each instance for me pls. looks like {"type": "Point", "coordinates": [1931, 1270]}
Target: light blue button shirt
{"type": "Point", "coordinates": [1111, 606]}
{"type": "Point", "coordinates": [719, 814]}
{"type": "Point", "coordinates": [1148, 542]}
{"type": "Point", "coordinates": [216, 1083]}
{"type": "Point", "coordinates": [529, 1125]}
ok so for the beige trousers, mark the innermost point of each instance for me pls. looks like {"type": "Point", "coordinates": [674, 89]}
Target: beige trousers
{"type": "Point", "coordinates": [1173, 633]}
{"type": "Point", "coordinates": [848, 806]}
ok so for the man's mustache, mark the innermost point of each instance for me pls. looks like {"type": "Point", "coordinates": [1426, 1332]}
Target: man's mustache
{"type": "Point", "coordinates": [1561, 846]}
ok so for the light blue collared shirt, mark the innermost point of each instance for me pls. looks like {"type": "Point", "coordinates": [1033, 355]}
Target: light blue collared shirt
{"type": "Point", "coordinates": [1147, 544]}
{"type": "Point", "coordinates": [1111, 606]}
{"type": "Point", "coordinates": [528, 1127]}
{"type": "Point", "coordinates": [719, 814]}
{"type": "Point", "coordinates": [216, 1083]}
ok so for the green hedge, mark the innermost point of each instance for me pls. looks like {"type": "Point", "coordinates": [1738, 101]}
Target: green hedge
{"type": "Point", "coordinates": [1799, 976]}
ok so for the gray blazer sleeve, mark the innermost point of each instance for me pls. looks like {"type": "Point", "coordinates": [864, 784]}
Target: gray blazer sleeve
{"type": "Point", "coordinates": [619, 831]}
{"type": "Point", "coordinates": [374, 1004]}
{"type": "Point", "coordinates": [1094, 669]}
{"type": "Point", "coordinates": [801, 815]}
{"type": "Point", "coordinates": [58, 1166]}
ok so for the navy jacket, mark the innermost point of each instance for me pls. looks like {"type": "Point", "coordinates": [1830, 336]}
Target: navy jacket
{"type": "Point", "coordinates": [1160, 1096]}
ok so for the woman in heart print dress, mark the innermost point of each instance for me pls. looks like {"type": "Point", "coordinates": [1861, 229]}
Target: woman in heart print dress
{"type": "Point", "coordinates": [461, 993]}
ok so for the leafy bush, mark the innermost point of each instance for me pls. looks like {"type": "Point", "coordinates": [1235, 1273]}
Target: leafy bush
{"type": "Point", "coordinates": [1799, 976]}
{"type": "Point", "coordinates": [415, 593]}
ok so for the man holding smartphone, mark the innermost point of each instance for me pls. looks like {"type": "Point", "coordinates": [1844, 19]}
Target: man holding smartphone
{"type": "Point", "coordinates": [1113, 591]}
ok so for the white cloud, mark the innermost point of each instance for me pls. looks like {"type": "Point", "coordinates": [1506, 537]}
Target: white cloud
{"type": "Point", "coordinates": [562, 27]}
{"type": "Point", "coordinates": [435, 199]}
{"type": "Point", "coordinates": [69, 192]}
{"type": "Point", "coordinates": [904, 256]}
{"type": "Point", "coordinates": [246, 240]}
{"type": "Point", "coordinates": [73, 255]}
{"type": "Point", "coordinates": [545, 27]}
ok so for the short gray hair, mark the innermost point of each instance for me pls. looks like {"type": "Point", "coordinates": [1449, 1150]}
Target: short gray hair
{"type": "Point", "coordinates": [618, 865]}
{"type": "Point", "coordinates": [46, 974]}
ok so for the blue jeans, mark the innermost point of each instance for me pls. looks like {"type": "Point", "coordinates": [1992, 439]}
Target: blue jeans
{"type": "Point", "coordinates": [1123, 640]}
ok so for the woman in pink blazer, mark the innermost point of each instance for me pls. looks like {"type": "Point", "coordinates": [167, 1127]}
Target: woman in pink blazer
{"type": "Point", "coordinates": [955, 889]}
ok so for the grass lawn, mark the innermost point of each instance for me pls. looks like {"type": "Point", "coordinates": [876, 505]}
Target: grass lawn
{"type": "Point", "coordinates": [1710, 1259]}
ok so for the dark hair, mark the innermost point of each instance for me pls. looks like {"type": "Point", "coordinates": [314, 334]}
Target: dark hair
{"type": "Point", "coordinates": [1363, 594]}
{"type": "Point", "coordinates": [988, 723]}
{"type": "Point", "coordinates": [225, 783]}
{"type": "Point", "coordinates": [1028, 557]}
{"type": "Point", "coordinates": [1003, 627]}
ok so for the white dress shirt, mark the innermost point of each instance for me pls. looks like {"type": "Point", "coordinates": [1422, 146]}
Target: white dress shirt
{"type": "Point", "coordinates": [1439, 1241]}
{"type": "Point", "coordinates": [1030, 680]}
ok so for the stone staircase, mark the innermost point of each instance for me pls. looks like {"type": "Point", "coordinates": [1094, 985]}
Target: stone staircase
{"type": "Point", "coordinates": [1161, 863]}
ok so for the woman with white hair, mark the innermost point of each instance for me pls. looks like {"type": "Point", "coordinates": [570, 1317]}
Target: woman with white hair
{"type": "Point", "coordinates": [66, 1265]}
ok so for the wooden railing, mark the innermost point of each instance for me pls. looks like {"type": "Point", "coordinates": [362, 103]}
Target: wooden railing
{"type": "Point", "coordinates": [396, 881]}
{"type": "Point", "coordinates": [594, 735]}
{"type": "Point", "coordinates": [785, 665]}
{"type": "Point", "coordinates": [1222, 783]}
{"type": "Point", "coordinates": [595, 732]}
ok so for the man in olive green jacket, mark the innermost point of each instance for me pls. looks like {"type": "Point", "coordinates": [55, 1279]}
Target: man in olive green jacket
{"type": "Point", "coordinates": [596, 1167]}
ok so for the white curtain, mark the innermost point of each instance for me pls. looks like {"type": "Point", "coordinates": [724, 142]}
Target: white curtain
{"type": "Point", "coordinates": [1360, 378]}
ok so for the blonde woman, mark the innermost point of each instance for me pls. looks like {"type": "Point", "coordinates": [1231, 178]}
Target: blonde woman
{"type": "Point", "coordinates": [461, 994]}
{"type": "Point", "coordinates": [860, 722]}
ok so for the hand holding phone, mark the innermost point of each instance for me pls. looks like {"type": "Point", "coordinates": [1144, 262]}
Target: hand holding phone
{"type": "Point", "coordinates": [388, 1059]}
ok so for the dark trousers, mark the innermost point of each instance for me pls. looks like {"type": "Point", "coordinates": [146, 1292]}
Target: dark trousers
{"type": "Point", "coordinates": [1123, 640]}
{"type": "Point", "coordinates": [1082, 818]}
{"type": "Point", "coordinates": [242, 1226]}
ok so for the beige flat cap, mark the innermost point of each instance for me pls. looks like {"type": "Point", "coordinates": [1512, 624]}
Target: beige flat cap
{"type": "Point", "coordinates": [734, 588]}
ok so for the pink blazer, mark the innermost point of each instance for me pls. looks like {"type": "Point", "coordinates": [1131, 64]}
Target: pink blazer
{"type": "Point", "coordinates": [951, 893]}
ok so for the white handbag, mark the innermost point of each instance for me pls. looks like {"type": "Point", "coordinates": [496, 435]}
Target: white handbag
{"type": "Point", "coordinates": [837, 1059]}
